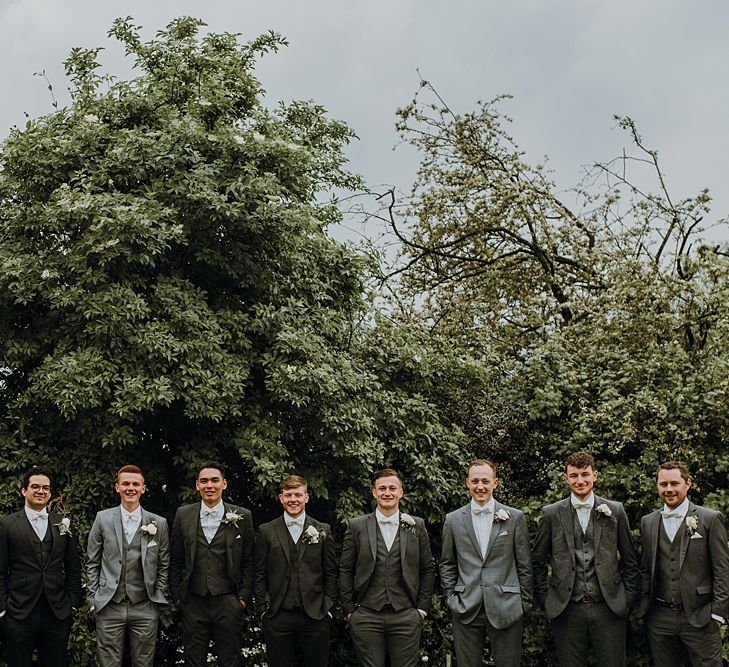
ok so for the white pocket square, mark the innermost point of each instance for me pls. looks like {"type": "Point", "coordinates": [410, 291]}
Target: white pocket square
{"type": "Point", "coordinates": [237, 537]}
{"type": "Point", "coordinates": [696, 536]}
{"type": "Point", "coordinates": [503, 532]}
{"type": "Point", "coordinates": [151, 544]}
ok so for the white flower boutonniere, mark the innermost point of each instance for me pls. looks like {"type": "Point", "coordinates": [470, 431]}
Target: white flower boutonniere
{"type": "Point", "coordinates": [407, 523]}
{"type": "Point", "coordinates": [312, 535]}
{"type": "Point", "coordinates": [604, 510]}
{"type": "Point", "coordinates": [692, 523]}
{"type": "Point", "coordinates": [64, 526]}
{"type": "Point", "coordinates": [150, 529]}
{"type": "Point", "coordinates": [232, 518]}
{"type": "Point", "coordinates": [502, 515]}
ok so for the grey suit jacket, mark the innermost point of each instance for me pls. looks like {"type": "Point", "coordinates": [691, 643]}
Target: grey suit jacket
{"type": "Point", "coordinates": [104, 554]}
{"type": "Point", "coordinates": [359, 553]}
{"type": "Point", "coordinates": [501, 582]}
{"type": "Point", "coordinates": [616, 564]}
{"type": "Point", "coordinates": [703, 564]}
{"type": "Point", "coordinates": [316, 568]}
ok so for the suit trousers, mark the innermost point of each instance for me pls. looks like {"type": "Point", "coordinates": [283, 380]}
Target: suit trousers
{"type": "Point", "coordinates": [292, 628]}
{"type": "Point", "coordinates": [378, 634]}
{"type": "Point", "coordinates": [672, 637]}
{"type": "Point", "coordinates": [470, 639]}
{"type": "Point", "coordinates": [112, 623]}
{"type": "Point", "coordinates": [216, 617]}
{"type": "Point", "coordinates": [589, 624]}
{"type": "Point", "coordinates": [41, 630]}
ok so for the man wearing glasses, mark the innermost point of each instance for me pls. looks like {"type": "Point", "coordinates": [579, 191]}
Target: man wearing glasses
{"type": "Point", "coordinates": [40, 577]}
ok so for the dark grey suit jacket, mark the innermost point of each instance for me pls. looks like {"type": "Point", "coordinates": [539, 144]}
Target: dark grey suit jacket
{"type": "Point", "coordinates": [704, 565]}
{"type": "Point", "coordinates": [104, 554]}
{"type": "Point", "coordinates": [316, 567]}
{"type": "Point", "coordinates": [359, 552]}
{"type": "Point", "coordinates": [501, 582]}
{"type": "Point", "coordinates": [239, 540]}
{"type": "Point", "coordinates": [616, 565]}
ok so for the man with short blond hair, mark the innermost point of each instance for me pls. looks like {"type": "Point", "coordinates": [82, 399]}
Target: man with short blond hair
{"type": "Point", "coordinates": [685, 575]}
{"type": "Point", "coordinates": [296, 580]}
{"type": "Point", "coordinates": [486, 572]}
{"type": "Point", "coordinates": [386, 578]}
{"type": "Point", "coordinates": [127, 562]}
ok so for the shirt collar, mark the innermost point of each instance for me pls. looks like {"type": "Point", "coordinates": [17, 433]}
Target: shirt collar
{"type": "Point", "coordinates": [297, 519]}
{"type": "Point", "coordinates": [32, 514]}
{"type": "Point", "coordinates": [219, 509]}
{"type": "Point", "coordinates": [491, 504]}
{"type": "Point", "coordinates": [135, 514]}
{"type": "Point", "coordinates": [590, 500]}
{"type": "Point", "coordinates": [681, 510]}
{"type": "Point", "coordinates": [395, 518]}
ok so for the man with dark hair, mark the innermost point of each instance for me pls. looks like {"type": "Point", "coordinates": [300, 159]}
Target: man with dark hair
{"type": "Point", "coordinates": [40, 577]}
{"type": "Point", "coordinates": [296, 580]}
{"type": "Point", "coordinates": [386, 578]}
{"type": "Point", "coordinates": [486, 572]}
{"type": "Point", "coordinates": [211, 570]}
{"type": "Point", "coordinates": [127, 562]}
{"type": "Point", "coordinates": [595, 580]}
{"type": "Point", "coordinates": [685, 575]}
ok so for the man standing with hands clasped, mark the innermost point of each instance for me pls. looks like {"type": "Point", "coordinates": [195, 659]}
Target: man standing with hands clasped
{"type": "Point", "coordinates": [595, 579]}
{"type": "Point", "coordinates": [386, 578]}
{"type": "Point", "coordinates": [127, 562]}
{"type": "Point", "coordinates": [211, 570]}
{"type": "Point", "coordinates": [685, 575]}
{"type": "Point", "coordinates": [40, 577]}
{"type": "Point", "coordinates": [296, 580]}
{"type": "Point", "coordinates": [486, 572]}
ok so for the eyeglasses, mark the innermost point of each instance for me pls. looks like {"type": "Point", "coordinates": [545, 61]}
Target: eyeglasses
{"type": "Point", "coordinates": [38, 487]}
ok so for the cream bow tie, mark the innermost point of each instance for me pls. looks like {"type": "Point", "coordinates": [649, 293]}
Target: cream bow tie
{"type": "Point", "coordinates": [481, 510]}
{"type": "Point", "coordinates": [209, 513]}
{"type": "Point", "coordinates": [582, 506]}
{"type": "Point", "coordinates": [295, 522]}
{"type": "Point", "coordinates": [668, 515]}
{"type": "Point", "coordinates": [388, 519]}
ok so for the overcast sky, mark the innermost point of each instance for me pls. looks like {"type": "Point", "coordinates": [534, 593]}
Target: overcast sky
{"type": "Point", "coordinates": [570, 64]}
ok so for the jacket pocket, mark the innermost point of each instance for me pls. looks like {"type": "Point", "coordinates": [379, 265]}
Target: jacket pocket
{"type": "Point", "coordinates": [703, 590]}
{"type": "Point", "coordinates": [510, 589]}
{"type": "Point", "coordinates": [459, 588]}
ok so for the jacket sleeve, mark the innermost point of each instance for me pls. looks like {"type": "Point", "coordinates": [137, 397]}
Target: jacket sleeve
{"type": "Point", "coordinates": [541, 554]}
{"type": "Point", "coordinates": [628, 560]}
{"type": "Point", "coordinates": [260, 582]}
{"type": "Point", "coordinates": [329, 565]}
{"type": "Point", "coordinates": [645, 569]}
{"type": "Point", "coordinates": [177, 557]}
{"type": "Point", "coordinates": [346, 571]}
{"type": "Point", "coordinates": [448, 560]}
{"type": "Point", "coordinates": [719, 553]}
{"type": "Point", "coordinates": [163, 558]}
{"type": "Point", "coordinates": [523, 562]}
{"type": "Point", "coordinates": [94, 549]}
{"type": "Point", "coordinates": [4, 565]}
{"type": "Point", "coordinates": [247, 561]}
{"type": "Point", "coordinates": [427, 569]}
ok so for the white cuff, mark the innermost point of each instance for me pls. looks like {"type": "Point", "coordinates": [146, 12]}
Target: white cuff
{"type": "Point", "coordinates": [716, 617]}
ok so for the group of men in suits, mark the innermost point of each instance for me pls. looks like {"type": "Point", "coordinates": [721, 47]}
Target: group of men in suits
{"type": "Point", "coordinates": [582, 569]}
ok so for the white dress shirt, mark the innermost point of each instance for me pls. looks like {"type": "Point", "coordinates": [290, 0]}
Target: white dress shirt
{"type": "Point", "coordinates": [295, 524]}
{"type": "Point", "coordinates": [210, 518]}
{"type": "Point", "coordinates": [131, 521]}
{"type": "Point", "coordinates": [38, 520]}
{"type": "Point", "coordinates": [389, 526]}
{"type": "Point", "coordinates": [672, 518]}
{"type": "Point", "coordinates": [583, 509]}
{"type": "Point", "coordinates": [483, 520]}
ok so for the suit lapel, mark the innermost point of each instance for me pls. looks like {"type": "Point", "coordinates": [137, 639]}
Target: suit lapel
{"type": "Point", "coordinates": [28, 534]}
{"type": "Point", "coordinates": [565, 518]}
{"type": "Point", "coordinates": [282, 532]}
{"type": "Point", "coordinates": [654, 528]}
{"type": "Point", "coordinates": [597, 520]}
{"type": "Point", "coordinates": [495, 530]}
{"type": "Point", "coordinates": [468, 523]}
{"type": "Point", "coordinates": [116, 521]}
{"type": "Point", "coordinates": [192, 526]}
{"type": "Point", "coordinates": [685, 537]}
{"type": "Point", "coordinates": [372, 535]}
{"type": "Point", "coordinates": [405, 538]}
{"type": "Point", "coordinates": [302, 542]}
{"type": "Point", "coordinates": [143, 540]}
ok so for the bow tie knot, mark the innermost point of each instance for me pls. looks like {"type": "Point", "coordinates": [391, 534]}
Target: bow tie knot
{"type": "Point", "coordinates": [209, 512]}
{"type": "Point", "coordinates": [388, 519]}
{"type": "Point", "coordinates": [672, 515]}
{"type": "Point", "coordinates": [294, 522]}
{"type": "Point", "coordinates": [583, 506]}
{"type": "Point", "coordinates": [38, 517]}
{"type": "Point", "coordinates": [481, 510]}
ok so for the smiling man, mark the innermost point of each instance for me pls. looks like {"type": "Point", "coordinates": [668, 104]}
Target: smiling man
{"type": "Point", "coordinates": [486, 572]}
{"type": "Point", "coordinates": [296, 580]}
{"type": "Point", "coordinates": [685, 574]}
{"type": "Point", "coordinates": [211, 570]}
{"type": "Point", "coordinates": [585, 541]}
{"type": "Point", "coordinates": [127, 562]}
{"type": "Point", "coordinates": [386, 578]}
{"type": "Point", "coordinates": [40, 577]}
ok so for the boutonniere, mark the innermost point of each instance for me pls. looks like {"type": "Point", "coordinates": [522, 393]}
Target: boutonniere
{"type": "Point", "coordinates": [150, 529]}
{"type": "Point", "coordinates": [232, 518]}
{"type": "Point", "coordinates": [692, 524]}
{"type": "Point", "coordinates": [64, 526]}
{"type": "Point", "coordinates": [407, 523]}
{"type": "Point", "coordinates": [312, 536]}
{"type": "Point", "coordinates": [604, 510]}
{"type": "Point", "coordinates": [502, 515]}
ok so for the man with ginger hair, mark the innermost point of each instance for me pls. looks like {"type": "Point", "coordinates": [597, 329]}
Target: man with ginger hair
{"type": "Point", "coordinates": [295, 583]}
